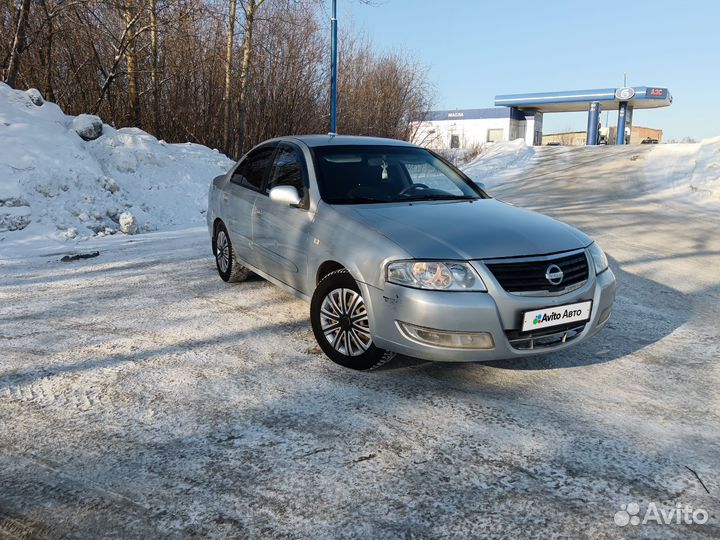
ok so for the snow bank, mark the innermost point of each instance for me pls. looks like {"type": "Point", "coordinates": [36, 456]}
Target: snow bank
{"type": "Point", "coordinates": [56, 186]}
{"type": "Point", "coordinates": [690, 172]}
{"type": "Point", "coordinates": [499, 156]}
{"type": "Point", "coordinates": [705, 178]}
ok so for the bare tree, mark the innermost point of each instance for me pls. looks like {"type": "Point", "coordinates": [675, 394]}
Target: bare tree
{"type": "Point", "coordinates": [154, 56]}
{"type": "Point", "coordinates": [227, 142]}
{"type": "Point", "coordinates": [247, 49]}
{"type": "Point", "coordinates": [173, 66]}
{"type": "Point", "coordinates": [18, 43]}
{"type": "Point", "coordinates": [130, 16]}
{"type": "Point", "coordinates": [123, 47]}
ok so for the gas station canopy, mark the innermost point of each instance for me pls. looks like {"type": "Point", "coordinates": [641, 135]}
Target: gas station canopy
{"type": "Point", "coordinates": [624, 100]}
{"type": "Point", "coordinates": [639, 97]}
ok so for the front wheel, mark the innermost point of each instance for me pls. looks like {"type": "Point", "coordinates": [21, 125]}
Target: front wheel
{"type": "Point", "coordinates": [340, 323]}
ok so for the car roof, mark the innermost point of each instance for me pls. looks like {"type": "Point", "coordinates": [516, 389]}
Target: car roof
{"type": "Point", "coordinates": [314, 141]}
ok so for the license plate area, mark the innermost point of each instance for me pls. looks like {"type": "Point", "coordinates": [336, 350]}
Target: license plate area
{"type": "Point", "coordinates": [540, 319]}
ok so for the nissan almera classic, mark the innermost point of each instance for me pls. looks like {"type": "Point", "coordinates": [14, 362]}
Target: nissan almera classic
{"type": "Point", "coordinates": [398, 251]}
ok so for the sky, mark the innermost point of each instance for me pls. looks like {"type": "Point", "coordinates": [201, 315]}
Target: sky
{"type": "Point", "coordinates": [476, 49]}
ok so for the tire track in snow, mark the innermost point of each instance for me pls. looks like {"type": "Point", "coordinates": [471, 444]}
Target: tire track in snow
{"type": "Point", "coordinates": [45, 393]}
{"type": "Point", "coordinates": [24, 510]}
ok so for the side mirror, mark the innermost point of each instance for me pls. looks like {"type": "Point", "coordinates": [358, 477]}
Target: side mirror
{"type": "Point", "coordinates": [481, 185]}
{"type": "Point", "coordinates": [286, 195]}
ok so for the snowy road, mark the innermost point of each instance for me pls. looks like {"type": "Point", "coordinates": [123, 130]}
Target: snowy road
{"type": "Point", "coordinates": [142, 397]}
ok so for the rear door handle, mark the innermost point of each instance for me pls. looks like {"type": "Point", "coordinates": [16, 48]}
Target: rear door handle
{"type": "Point", "coordinates": [226, 198]}
{"type": "Point", "coordinates": [258, 211]}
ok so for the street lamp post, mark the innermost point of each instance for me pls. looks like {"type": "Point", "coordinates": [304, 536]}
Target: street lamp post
{"type": "Point", "coordinates": [333, 69]}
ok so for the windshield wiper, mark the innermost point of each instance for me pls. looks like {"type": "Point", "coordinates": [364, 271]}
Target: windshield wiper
{"type": "Point", "coordinates": [436, 197]}
{"type": "Point", "coordinates": [357, 200]}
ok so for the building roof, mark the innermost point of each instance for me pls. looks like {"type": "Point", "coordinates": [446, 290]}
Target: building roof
{"type": "Point", "coordinates": [471, 114]}
{"type": "Point", "coordinates": [341, 140]}
{"type": "Point", "coordinates": [640, 97]}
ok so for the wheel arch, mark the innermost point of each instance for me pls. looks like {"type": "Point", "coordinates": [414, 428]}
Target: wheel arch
{"type": "Point", "coordinates": [327, 267]}
{"type": "Point", "coordinates": [217, 222]}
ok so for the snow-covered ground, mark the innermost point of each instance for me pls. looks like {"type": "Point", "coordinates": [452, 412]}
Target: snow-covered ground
{"type": "Point", "coordinates": [142, 397]}
{"type": "Point", "coordinates": [55, 186]}
{"type": "Point", "coordinates": [689, 172]}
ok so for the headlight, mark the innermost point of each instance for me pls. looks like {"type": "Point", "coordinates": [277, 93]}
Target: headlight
{"type": "Point", "coordinates": [435, 275]}
{"type": "Point", "coordinates": [598, 257]}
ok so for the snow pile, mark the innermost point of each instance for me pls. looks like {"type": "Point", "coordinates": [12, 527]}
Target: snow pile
{"type": "Point", "coordinates": [705, 179]}
{"type": "Point", "coordinates": [499, 156]}
{"type": "Point", "coordinates": [690, 172]}
{"type": "Point", "coordinates": [54, 185]}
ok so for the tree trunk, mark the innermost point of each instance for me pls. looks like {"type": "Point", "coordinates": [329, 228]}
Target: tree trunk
{"type": "Point", "coordinates": [18, 44]}
{"type": "Point", "coordinates": [131, 60]}
{"type": "Point", "coordinates": [252, 7]}
{"type": "Point", "coordinates": [227, 137]}
{"type": "Point", "coordinates": [49, 91]}
{"type": "Point", "coordinates": [154, 66]}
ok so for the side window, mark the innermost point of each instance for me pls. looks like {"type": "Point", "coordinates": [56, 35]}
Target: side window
{"type": "Point", "coordinates": [251, 172]}
{"type": "Point", "coordinates": [287, 170]}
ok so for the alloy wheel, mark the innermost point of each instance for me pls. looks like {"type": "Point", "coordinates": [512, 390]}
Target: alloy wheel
{"type": "Point", "coordinates": [344, 322]}
{"type": "Point", "coordinates": [222, 251]}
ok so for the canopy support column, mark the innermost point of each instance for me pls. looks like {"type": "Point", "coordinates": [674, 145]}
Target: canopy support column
{"type": "Point", "coordinates": [622, 115]}
{"type": "Point", "coordinates": [592, 126]}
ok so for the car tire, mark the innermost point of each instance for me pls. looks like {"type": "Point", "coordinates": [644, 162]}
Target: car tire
{"type": "Point", "coordinates": [228, 266]}
{"type": "Point", "coordinates": [340, 323]}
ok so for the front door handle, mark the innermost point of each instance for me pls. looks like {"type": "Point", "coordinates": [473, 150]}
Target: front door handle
{"type": "Point", "coordinates": [258, 212]}
{"type": "Point", "coordinates": [226, 198]}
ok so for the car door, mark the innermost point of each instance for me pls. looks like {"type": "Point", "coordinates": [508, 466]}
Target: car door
{"type": "Point", "coordinates": [246, 184]}
{"type": "Point", "coordinates": [280, 232]}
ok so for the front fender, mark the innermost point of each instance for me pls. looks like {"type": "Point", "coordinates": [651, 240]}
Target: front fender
{"type": "Point", "coordinates": [361, 250]}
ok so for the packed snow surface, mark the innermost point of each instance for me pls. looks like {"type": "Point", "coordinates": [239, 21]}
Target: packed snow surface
{"type": "Point", "coordinates": [143, 397]}
{"type": "Point", "coordinates": [56, 186]}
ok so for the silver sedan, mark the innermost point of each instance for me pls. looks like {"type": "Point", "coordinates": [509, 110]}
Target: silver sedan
{"type": "Point", "coordinates": [398, 251]}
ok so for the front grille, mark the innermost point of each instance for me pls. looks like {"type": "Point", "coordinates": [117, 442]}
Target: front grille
{"type": "Point", "coordinates": [545, 339]}
{"type": "Point", "coordinates": [529, 275]}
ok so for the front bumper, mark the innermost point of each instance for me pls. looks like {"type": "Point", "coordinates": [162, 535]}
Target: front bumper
{"type": "Point", "coordinates": [496, 312]}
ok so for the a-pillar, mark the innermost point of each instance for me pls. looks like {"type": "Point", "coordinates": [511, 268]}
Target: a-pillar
{"type": "Point", "coordinates": [592, 126]}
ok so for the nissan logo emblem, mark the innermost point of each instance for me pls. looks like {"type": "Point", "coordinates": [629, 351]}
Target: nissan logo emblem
{"type": "Point", "coordinates": [554, 274]}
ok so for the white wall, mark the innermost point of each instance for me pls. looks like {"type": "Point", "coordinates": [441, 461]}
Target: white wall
{"type": "Point", "coordinates": [436, 133]}
{"type": "Point", "coordinates": [529, 130]}
{"type": "Point", "coordinates": [534, 124]}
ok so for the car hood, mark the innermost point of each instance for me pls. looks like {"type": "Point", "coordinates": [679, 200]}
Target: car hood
{"type": "Point", "coordinates": [480, 229]}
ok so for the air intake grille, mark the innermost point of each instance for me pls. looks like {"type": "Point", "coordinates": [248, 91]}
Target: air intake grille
{"type": "Point", "coordinates": [529, 276]}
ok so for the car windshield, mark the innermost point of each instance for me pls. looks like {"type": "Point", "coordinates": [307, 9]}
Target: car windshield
{"type": "Point", "coordinates": [380, 174]}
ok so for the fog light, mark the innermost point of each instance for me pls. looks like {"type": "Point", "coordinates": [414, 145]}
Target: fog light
{"type": "Point", "coordinates": [445, 338]}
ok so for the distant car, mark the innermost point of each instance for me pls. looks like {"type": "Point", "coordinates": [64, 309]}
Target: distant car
{"type": "Point", "coordinates": [649, 140]}
{"type": "Point", "coordinates": [398, 251]}
{"type": "Point", "coordinates": [552, 143]}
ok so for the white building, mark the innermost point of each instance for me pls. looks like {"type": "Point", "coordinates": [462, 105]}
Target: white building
{"type": "Point", "coordinates": [469, 127]}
